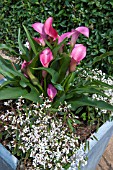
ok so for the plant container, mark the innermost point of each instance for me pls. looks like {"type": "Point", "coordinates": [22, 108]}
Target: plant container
{"type": "Point", "coordinates": [97, 147]}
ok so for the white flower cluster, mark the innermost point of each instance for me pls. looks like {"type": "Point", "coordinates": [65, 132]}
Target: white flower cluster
{"type": "Point", "coordinates": [79, 158]}
{"type": "Point", "coordinates": [45, 136]}
{"type": "Point", "coordinates": [65, 107]}
{"type": "Point", "coordinates": [96, 74]}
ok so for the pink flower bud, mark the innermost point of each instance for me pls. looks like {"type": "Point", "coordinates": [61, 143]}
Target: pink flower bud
{"type": "Point", "coordinates": [51, 91]}
{"type": "Point", "coordinates": [40, 40]}
{"type": "Point", "coordinates": [24, 67]}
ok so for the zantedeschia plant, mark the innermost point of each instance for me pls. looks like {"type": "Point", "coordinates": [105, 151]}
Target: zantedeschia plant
{"type": "Point", "coordinates": [49, 66]}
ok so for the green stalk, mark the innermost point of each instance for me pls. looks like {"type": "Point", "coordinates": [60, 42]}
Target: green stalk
{"type": "Point", "coordinates": [34, 80]}
{"type": "Point", "coordinates": [45, 85]}
{"type": "Point", "coordinates": [70, 79]}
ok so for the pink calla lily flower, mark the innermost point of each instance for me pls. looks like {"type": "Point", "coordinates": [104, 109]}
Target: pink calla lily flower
{"type": "Point", "coordinates": [24, 66]}
{"type": "Point", "coordinates": [39, 27]}
{"type": "Point", "coordinates": [46, 29]}
{"type": "Point", "coordinates": [49, 30]}
{"type": "Point", "coordinates": [77, 54]}
{"type": "Point", "coordinates": [65, 35]}
{"type": "Point", "coordinates": [74, 33]}
{"type": "Point", "coordinates": [77, 32]}
{"type": "Point", "coordinates": [51, 91]}
{"type": "Point", "coordinates": [46, 57]}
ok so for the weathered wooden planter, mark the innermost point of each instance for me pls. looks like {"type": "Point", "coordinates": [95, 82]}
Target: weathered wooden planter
{"type": "Point", "coordinates": [97, 148]}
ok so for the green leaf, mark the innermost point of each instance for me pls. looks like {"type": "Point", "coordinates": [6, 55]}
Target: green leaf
{"type": "Point", "coordinates": [31, 41]}
{"type": "Point", "coordinates": [59, 99]}
{"type": "Point", "coordinates": [100, 83]}
{"type": "Point", "coordinates": [87, 101]}
{"type": "Point", "coordinates": [8, 69]}
{"type": "Point", "coordinates": [49, 45]}
{"type": "Point", "coordinates": [23, 84]}
{"type": "Point", "coordinates": [86, 89]}
{"type": "Point", "coordinates": [33, 95]}
{"type": "Point", "coordinates": [9, 82]}
{"type": "Point", "coordinates": [64, 65]}
{"type": "Point", "coordinates": [54, 75]}
{"type": "Point", "coordinates": [59, 87]}
{"type": "Point", "coordinates": [90, 90]}
{"type": "Point", "coordinates": [21, 46]}
{"type": "Point", "coordinates": [68, 81]}
{"type": "Point", "coordinates": [56, 49]}
{"type": "Point", "coordinates": [52, 72]}
{"type": "Point", "coordinates": [12, 93]}
{"type": "Point", "coordinates": [55, 64]}
{"type": "Point", "coordinates": [6, 47]}
{"type": "Point", "coordinates": [34, 80]}
{"type": "Point", "coordinates": [35, 60]}
{"type": "Point", "coordinates": [96, 59]}
{"type": "Point", "coordinates": [69, 121]}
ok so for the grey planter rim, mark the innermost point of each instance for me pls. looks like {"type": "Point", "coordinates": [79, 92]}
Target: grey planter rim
{"type": "Point", "coordinates": [97, 147]}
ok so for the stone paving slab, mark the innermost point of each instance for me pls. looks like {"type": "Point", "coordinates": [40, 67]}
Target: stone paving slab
{"type": "Point", "coordinates": [106, 161]}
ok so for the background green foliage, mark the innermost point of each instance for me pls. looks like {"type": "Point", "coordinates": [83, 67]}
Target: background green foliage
{"type": "Point", "coordinates": [67, 14]}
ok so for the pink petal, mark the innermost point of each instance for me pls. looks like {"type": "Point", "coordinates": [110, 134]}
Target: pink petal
{"type": "Point", "coordinates": [46, 57]}
{"type": "Point", "coordinates": [77, 32]}
{"type": "Point", "coordinates": [39, 27]}
{"type": "Point", "coordinates": [83, 30]}
{"type": "Point", "coordinates": [78, 53]}
{"type": "Point", "coordinates": [25, 64]}
{"type": "Point", "coordinates": [51, 91]}
{"type": "Point", "coordinates": [40, 40]}
{"type": "Point", "coordinates": [73, 64]}
{"type": "Point", "coordinates": [49, 30]}
{"type": "Point", "coordinates": [65, 35]}
{"type": "Point", "coordinates": [74, 38]}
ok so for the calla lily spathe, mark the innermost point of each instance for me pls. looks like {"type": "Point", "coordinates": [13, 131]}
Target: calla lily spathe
{"type": "Point", "coordinates": [74, 33]}
{"type": "Point", "coordinates": [77, 32]}
{"type": "Point", "coordinates": [51, 91]}
{"type": "Point", "coordinates": [77, 54]}
{"type": "Point", "coordinates": [46, 57]}
{"type": "Point", "coordinates": [46, 29]}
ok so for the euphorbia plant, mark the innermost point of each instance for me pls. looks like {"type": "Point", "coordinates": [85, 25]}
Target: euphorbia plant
{"type": "Point", "coordinates": [48, 66]}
